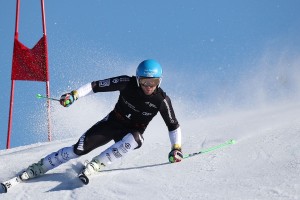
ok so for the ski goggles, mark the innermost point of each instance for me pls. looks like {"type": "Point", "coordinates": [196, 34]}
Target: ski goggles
{"type": "Point", "coordinates": [149, 82]}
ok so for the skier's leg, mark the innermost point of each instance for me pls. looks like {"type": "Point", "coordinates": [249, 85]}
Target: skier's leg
{"type": "Point", "coordinates": [98, 135]}
{"type": "Point", "coordinates": [49, 162]}
{"type": "Point", "coordinates": [90, 140]}
{"type": "Point", "coordinates": [118, 150]}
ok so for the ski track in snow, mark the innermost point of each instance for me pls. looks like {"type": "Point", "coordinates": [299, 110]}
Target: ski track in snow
{"type": "Point", "coordinates": [263, 164]}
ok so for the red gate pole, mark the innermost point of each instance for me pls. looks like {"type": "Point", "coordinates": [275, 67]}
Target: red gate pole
{"type": "Point", "coordinates": [10, 113]}
{"type": "Point", "coordinates": [16, 76]}
{"type": "Point", "coordinates": [12, 91]}
{"type": "Point", "coordinates": [47, 82]}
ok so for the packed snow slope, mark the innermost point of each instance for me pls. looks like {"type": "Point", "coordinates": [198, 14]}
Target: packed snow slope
{"type": "Point", "coordinates": [263, 164]}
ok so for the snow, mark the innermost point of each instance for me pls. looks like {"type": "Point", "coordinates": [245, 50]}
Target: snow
{"type": "Point", "coordinates": [263, 164]}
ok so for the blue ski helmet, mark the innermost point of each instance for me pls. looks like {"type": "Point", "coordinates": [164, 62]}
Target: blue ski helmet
{"type": "Point", "coordinates": [149, 69]}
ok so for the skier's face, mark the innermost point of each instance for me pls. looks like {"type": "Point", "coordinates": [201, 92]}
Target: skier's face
{"type": "Point", "coordinates": [148, 90]}
{"type": "Point", "coordinates": [148, 85]}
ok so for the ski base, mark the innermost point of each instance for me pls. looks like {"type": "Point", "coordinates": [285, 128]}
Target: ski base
{"type": "Point", "coordinates": [7, 185]}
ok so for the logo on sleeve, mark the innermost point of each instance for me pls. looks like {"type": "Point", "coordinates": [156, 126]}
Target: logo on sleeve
{"type": "Point", "coordinates": [104, 83]}
{"type": "Point", "coordinates": [115, 80]}
{"type": "Point", "coordinates": [124, 79]}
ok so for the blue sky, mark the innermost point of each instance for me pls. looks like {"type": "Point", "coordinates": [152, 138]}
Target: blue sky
{"type": "Point", "coordinates": [207, 48]}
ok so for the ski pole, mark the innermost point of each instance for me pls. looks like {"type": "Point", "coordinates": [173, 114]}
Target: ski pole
{"type": "Point", "coordinates": [225, 144]}
{"type": "Point", "coordinates": [39, 96]}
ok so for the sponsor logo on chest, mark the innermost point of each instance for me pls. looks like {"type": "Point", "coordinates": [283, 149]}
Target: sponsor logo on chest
{"type": "Point", "coordinates": [151, 105]}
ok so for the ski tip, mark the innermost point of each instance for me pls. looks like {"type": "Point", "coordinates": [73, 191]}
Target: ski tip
{"type": "Point", "coordinates": [4, 188]}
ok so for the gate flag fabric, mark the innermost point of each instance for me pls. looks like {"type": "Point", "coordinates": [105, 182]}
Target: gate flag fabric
{"type": "Point", "coordinates": [30, 64]}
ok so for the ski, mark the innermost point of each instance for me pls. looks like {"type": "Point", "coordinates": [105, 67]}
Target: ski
{"type": "Point", "coordinates": [7, 185]}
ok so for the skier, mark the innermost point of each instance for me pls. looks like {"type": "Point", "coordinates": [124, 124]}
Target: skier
{"type": "Point", "coordinates": [140, 99]}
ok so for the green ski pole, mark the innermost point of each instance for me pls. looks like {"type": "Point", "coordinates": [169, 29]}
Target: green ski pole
{"type": "Point", "coordinates": [225, 144]}
{"type": "Point", "coordinates": [39, 96]}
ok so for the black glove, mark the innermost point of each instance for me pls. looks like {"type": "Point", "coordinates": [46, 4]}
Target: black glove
{"type": "Point", "coordinates": [175, 155]}
{"type": "Point", "coordinates": [67, 99]}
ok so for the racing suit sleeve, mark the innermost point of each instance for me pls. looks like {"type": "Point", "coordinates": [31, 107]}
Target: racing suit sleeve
{"type": "Point", "coordinates": [106, 85]}
{"type": "Point", "coordinates": [168, 114]}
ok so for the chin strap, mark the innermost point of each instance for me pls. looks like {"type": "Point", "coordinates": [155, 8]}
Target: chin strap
{"type": "Point", "coordinates": [137, 81]}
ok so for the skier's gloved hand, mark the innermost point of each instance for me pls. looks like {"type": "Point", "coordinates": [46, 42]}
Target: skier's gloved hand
{"type": "Point", "coordinates": [67, 99]}
{"type": "Point", "coordinates": [175, 155]}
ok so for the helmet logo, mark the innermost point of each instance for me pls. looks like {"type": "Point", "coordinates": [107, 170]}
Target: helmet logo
{"type": "Point", "coordinates": [150, 73]}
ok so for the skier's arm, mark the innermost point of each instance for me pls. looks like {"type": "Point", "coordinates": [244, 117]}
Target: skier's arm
{"type": "Point", "coordinates": [84, 90]}
{"type": "Point", "coordinates": [175, 138]}
{"type": "Point", "coordinates": [175, 154]}
{"type": "Point", "coordinates": [167, 113]}
{"type": "Point", "coordinates": [67, 99]}
{"type": "Point", "coordinates": [107, 85]}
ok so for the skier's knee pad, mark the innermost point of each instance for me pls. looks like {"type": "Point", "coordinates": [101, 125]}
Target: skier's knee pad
{"type": "Point", "coordinates": [138, 137]}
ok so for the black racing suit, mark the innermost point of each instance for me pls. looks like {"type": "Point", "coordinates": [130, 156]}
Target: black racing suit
{"type": "Point", "coordinates": [132, 113]}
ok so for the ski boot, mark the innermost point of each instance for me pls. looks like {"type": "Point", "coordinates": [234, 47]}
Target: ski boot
{"type": "Point", "coordinates": [34, 170]}
{"type": "Point", "coordinates": [89, 169]}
